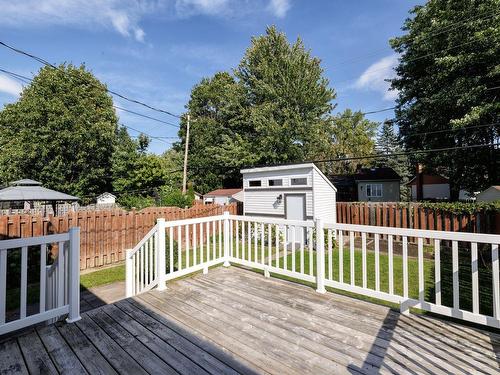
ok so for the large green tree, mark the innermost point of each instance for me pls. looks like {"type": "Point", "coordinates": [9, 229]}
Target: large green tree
{"type": "Point", "coordinates": [61, 132]}
{"type": "Point", "coordinates": [448, 81]}
{"type": "Point", "coordinates": [275, 108]}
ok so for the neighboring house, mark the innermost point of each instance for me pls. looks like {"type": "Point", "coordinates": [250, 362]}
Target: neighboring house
{"type": "Point", "coordinates": [198, 196]}
{"type": "Point", "coordinates": [223, 196]}
{"type": "Point", "coordinates": [368, 185]}
{"type": "Point", "coordinates": [106, 198]}
{"type": "Point", "coordinates": [296, 192]}
{"type": "Point", "coordinates": [434, 187]}
{"type": "Point", "coordinates": [489, 195]}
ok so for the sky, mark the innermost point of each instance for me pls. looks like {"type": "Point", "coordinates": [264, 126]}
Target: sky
{"type": "Point", "coordinates": [155, 51]}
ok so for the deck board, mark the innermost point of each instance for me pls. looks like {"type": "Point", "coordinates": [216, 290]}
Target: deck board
{"type": "Point", "coordinates": [233, 321]}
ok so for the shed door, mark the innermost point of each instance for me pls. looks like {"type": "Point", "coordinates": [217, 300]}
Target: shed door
{"type": "Point", "coordinates": [295, 209]}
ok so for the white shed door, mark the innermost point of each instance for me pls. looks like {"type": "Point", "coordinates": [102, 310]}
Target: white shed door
{"type": "Point", "coordinates": [295, 210]}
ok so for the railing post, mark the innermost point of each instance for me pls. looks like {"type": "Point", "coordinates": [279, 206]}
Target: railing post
{"type": "Point", "coordinates": [226, 239]}
{"type": "Point", "coordinates": [74, 275]}
{"type": "Point", "coordinates": [129, 273]}
{"type": "Point", "coordinates": [320, 257]}
{"type": "Point", "coordinates": [161, 255]}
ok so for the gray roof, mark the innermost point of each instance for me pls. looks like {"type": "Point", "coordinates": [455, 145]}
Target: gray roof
{"type": "Point", "coordinates": [26, 182]}
{"type": "Point", "coordinates": [33, 193]}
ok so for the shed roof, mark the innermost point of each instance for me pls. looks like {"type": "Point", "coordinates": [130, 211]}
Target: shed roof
{"type": "Point", "coordinates": [26, 182]}
{"type": "Point", "coordinates": [33, 193]}
{"type": "Point", "coordinates": [223, 192]}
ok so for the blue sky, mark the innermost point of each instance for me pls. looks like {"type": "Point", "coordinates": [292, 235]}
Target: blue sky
{"type": "Point", "coordinates": [156, 51]}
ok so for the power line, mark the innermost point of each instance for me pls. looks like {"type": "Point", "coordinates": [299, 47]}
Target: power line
{"type": "Point", "coordinates": [149, 135]}
{"type": "Point", "coordinates": [45, 62]}
{"type": "Point", "coordinates": [146, 116]}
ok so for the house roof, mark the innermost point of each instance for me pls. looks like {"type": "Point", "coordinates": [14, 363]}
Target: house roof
{"type": "Point", "coordinates": [366, 174]}
{"type": "Point", "coordinates": [279, 167]}
{"type": "Point", "coordinates": [430, 179]}
{"type": "Point", "coordinates": [223, 192]}
{"type": "Point", "coordinates": [25, 182]}
{"type": "Point", "coordinates": [106, 194]}
{"type": "Point", "coordinates": [33, 193]}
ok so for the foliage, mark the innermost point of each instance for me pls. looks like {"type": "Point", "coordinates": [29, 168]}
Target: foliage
{"type": "Point", "coordinates": [447, 79]}
{"type": "Point", "coordinates": [275, 108]}
{"type": "Point", "coordinates": [388, 143]}
{"type": "Point", "coordinates": [61, 132]}
{"type": "Point", "coordinates": [138, 202]}
{"type": "Point", "coordinates": [462, 207]}
{"type": "Point", "coordinates": [350, 135]}
{"type": "Point", "coordinates": [174, 198]}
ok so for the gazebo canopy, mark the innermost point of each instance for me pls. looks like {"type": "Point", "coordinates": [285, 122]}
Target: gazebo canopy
{"type": "Point", "coordinates": [30, 190]}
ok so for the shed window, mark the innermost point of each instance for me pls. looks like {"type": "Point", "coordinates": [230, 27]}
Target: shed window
{"type": "Point", "coordinates": [278, 182]}
{"type": "Point", "coordinates": [299, 181]}
{"type": "Point", "coordinates": [254, 183]}
{"type": "Point", "coordinates": [374, 190]}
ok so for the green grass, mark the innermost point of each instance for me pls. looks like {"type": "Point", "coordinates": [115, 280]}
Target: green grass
{"type": "Point", "coordinates": [102, 277]}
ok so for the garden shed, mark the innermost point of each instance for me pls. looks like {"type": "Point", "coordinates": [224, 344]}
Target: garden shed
{"type": "Point", "coordinates": [294, 192]}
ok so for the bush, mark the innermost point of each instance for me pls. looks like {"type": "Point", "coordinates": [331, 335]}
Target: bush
{"type": "Point", "coordinates": [135, 201]}
{"type": "Point", "coordinates": [174, 197]}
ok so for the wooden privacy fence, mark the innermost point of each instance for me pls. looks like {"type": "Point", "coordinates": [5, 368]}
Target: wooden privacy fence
{"type": "Point", "coordinates": [414, 216]}
{"type": "Point", "coordinates": [104, 235]}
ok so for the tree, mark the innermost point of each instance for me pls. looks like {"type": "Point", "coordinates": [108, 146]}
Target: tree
{"type": "Point", "coordinates": [389, 143]}
{"type": "Point", "coordinates": [275, 108]}
{"type": "Point", "coordinates": [448, 78]}
{"type": "Point", "coordinates": [61, 132]}
{"type": "Point", "coordinates": [350, 135]}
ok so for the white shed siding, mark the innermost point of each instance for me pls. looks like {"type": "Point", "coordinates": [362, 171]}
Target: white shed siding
{"type": "Point", "coordinates": [324, 199]}
{"type": "Point", "coordinates": [264, 202]}
{"type": "Point", "coordinates": [285, 175]}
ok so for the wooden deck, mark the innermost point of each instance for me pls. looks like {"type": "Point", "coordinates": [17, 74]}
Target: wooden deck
{"type": "Point", "coordinates": [235, 321]}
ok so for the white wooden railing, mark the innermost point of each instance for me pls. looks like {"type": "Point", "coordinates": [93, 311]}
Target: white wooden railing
{"type": "Point", "coordinates": [325, 254]}
{"type": "Point", "coordinates": [59, 282]}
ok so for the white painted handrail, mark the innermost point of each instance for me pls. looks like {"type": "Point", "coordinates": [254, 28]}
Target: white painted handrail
{"type": "Point", "coordinates": [314, 251]}
{"type": "Point", "coordinates": [59, 283]}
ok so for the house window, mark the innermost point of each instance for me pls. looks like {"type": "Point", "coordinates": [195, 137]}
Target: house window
{"type": "Point", "coordinates": [254, 183]}
{"type": "Point", "coordinates": [276, 182]}
{"type": "Point", "coordinates": [299, 181]}
{"type": "Point", "coordinates": [374, 190]}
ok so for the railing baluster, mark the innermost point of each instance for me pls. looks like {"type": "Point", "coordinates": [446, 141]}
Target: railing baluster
{"type": "Point", "coordinates": [475, 279]}
{"type": "Point", "coordinates": [207, 248]}
{"type": "Point", "coordinates": [302, 240]}
{"type": "Point", "coordinates": [219, 222]}
{"type": "Point", "coordinates": [285, 250]}
{"type": "Point", "coordinates": [496, 282]}
{"type": "Point", "coordinates": [277, 245]}
{"type": "Point", "coordinates": [43, 276]}
{"type": "Point", "coordinates": [249, 242]}
{"type": "Point", "coordinates": [179, 248]}
{"type": "Point", "coordinates": [421, 286]}
{"type": "Point", "coordinates": [351, 247]}
{"type": "Point", "coordinates": [60, 275]}
{"type": "Point", "coordinates": [255, 238]}
{"type": "Point", "coordinates": [262, 245]}
{"type": "Point", "coordinates": [186, 235]}
{"type": "Point", "coordinates": [269, 246]}
{"type": "Point", "coordinates": [363, 258]}
{"type": "Point", "coordinates": [195, 250]}
{"type": "Point", "coordinates": [437, 271]}
{"type": "Point", "coordinates": [142, 265]}
{"type": "Point", "coordinates": [390, 253]}
{"type": "Point", "coordinates": [146, 263]}
{"type": "Point", "coordinates": [171, 250]}
{"type": "Point", "coordinates": [214, 244]}
{"type": "Point", "coordinates": [202, 245]}
{"type": "Point", "coordinates": [341, 256]}
{"type": "Point", "coordinates": [231, 238]}
{"type": "Point", "coordinates": [24, 281]}
{"type": "Point", "coordinates": [237, 240]}
{"type": "Point", "coordinates": [243, 242]}
{"type": "Point", "coordinates": [310, 246]}
{"type": "Point", "coordinates": [377, 262]}
{"type": "Point", "coordinates": [3, 284]}
{"type": "Point", "coordinates": [294, 230]}
{"type": "Point", "coordinates": [330, 255]}
{"type": "Point", "coordinates": [456, 288]}
{"type": "Point", "coordinates": [405, 266]}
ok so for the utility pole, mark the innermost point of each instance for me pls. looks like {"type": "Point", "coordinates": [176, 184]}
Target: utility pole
{"type": "Point", "coordinates": [186, 148]}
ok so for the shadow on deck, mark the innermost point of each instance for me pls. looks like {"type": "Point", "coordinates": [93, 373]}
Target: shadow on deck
{"type": "Point", "coordinates": [236, 321]}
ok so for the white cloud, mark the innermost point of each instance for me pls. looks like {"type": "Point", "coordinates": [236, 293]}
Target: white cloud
{"type": "Point", "coordinates": [122, 16]}
{"type": "Point", "coordinates": [279, 7]}
{"type": "Point", "coordinates": [186, 8]}
{"type": "Point", "coordinates": [373, 78]}
{"type": "Point", "coordinates": [9, 86]}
